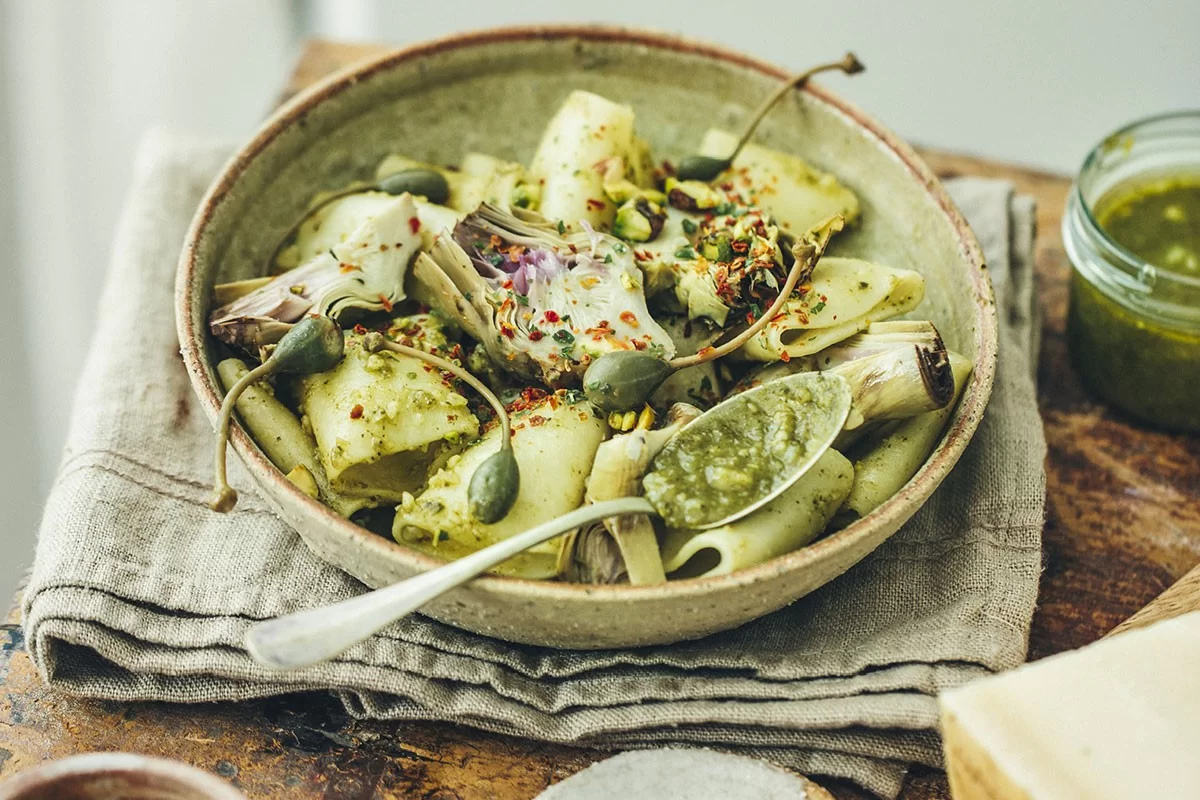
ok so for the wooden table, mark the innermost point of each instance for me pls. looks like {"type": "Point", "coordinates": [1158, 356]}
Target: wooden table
{"type": "Point", "coordinates": [1123, 523]}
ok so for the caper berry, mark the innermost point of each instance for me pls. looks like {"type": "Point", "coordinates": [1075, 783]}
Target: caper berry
{"type": "Point", "coordinates": [314, 344]}
{"type": "Point", "coordinates": [624, 381]}
{"type": "Point", "coordinates": [427, 183]}
{"type": "Point", "coordinates": [494, 486]}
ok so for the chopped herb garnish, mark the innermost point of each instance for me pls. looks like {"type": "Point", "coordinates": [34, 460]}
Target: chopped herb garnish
{"type": "Point", "coordinates": [686, 253]}
{"type": "Point", "coordinates": [522, 300]}
{"type": "Point", "coordinates": [496, 259]}
{"type": "Point", "coordinates": [689, 227]}
{"type": "Point", "coordinates": [608, 258]}
{"type": "Point", "coordinates": [562, 228]}
{"type": "Point", "coordinates": [818, 307]}
{"type": "Point", "coordinates": [619, 247]}
{"type": "Point", "coordinates": [564, 336]}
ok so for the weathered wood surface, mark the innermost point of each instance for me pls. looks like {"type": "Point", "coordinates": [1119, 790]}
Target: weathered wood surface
{"type": "Point", "coordinates": [1123, 523]}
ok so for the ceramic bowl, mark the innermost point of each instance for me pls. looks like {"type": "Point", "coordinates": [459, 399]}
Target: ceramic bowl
{"type": "Point", "coordinates": [117, 776]}
{"type": "Point", "coordinates": [493, 91]}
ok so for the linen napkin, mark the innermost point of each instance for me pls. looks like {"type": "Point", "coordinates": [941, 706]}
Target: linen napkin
{"type": "Point", "coordinates": [139, 592]}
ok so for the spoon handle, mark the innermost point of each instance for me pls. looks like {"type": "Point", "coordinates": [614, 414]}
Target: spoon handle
{"type": "Point", "coordinates": [318, 634]}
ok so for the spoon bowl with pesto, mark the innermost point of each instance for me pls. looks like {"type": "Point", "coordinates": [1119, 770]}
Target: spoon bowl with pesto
{"type": "Point", "coordinates": [424, 101]}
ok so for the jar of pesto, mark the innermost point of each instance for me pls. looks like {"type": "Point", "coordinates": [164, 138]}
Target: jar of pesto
{"type": "Point", "coordinates": [1132, 232]}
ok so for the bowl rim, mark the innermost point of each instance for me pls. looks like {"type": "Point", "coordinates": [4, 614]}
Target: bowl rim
{"type": "Point", "coordinates": [892, 513]}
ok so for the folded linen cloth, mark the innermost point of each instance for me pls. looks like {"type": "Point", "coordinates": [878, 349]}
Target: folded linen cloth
{"type": "Point", "coordinates": [139, 592]}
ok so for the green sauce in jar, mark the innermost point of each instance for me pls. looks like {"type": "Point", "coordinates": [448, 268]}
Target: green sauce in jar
{"type": "Point", "coordinates": [1157, 220]}
{"type": "Point", "coordinates": [1132, 230]}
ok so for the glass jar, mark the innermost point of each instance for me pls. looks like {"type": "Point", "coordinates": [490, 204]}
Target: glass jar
{"type": "Point", "coordinates": [1133, 328]}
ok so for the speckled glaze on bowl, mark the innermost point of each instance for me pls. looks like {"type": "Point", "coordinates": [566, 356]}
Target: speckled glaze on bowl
{"type": "Point", "coordinates": [493, 91]}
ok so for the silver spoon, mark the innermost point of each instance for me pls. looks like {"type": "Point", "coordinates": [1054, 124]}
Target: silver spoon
{"type": "Point", "coordinates": [319, 634]}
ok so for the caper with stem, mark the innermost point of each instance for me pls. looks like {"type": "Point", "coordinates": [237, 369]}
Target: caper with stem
{"type": "Point", "coordinates": [426, 183]}
{"type": "Point", "coordinates": [705, 168]}
{"type": "Point", "coordinates": [496, 482]}
{"type": "Point", "coordinates": [624, 380]}
{"type": "Point", "coordinates": [314, 344]}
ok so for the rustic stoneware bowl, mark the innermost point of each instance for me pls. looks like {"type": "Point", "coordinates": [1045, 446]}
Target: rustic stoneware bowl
{"type": "Point", "coordinates": [117, 776]}
{"type": "Point", "coordinates": [494, 91]}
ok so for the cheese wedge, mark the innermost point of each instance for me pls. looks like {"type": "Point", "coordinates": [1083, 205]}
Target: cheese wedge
{"type": "Point", "coordinates": [1116, 719]}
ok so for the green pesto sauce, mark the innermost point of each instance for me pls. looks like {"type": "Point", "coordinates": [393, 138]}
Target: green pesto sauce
{"type": "Point", "coordinates": [1148, 368]}
{"type": "Point", "coordinates": [1157, 220]}
{"type": "Point", "coordinates": [733, 458]}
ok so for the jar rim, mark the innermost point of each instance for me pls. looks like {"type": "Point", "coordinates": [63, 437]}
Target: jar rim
{"type": "Point", "coordinates": [1143, 273]}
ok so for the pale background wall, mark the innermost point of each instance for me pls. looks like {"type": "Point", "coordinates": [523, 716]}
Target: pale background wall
{"type": "Point", "coordinates": [1025, 80]}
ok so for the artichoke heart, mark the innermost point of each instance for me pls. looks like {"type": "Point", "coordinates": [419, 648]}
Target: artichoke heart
{"type": "Point", "coordinates": [548, 302]}
{"type": "Point", "coordinates": [366, 272]}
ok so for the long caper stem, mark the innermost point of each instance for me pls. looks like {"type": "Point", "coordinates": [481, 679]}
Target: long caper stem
{"type": "Point", "coordinates": [801, 265]}
{"type": "Point", "coordinates": [848, 64]}
{"type": "Point", "coordinates": [283, 240]}
{"type": "Point", "coordinates": [224, 498]}
{"type": "Point", "coordinates": [381, 343]}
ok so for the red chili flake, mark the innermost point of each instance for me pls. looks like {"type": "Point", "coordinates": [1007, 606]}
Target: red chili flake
{"type": "Point", "coordinates": [603, 323]}
{"type": "Point", "coordinates": [356, 412]}
{"type": "Point", "coordinates": [530, 396]}
{"type": "Point", "coordinates": [739, 246]}
{"type": "Point", "coordinates": [703, 351]}
{"type": "Point", "coordinates": [642, 255]}
{"type": "Point", "coordinates": [726, 187]}
{"type": "Point", "coordinates": [495, 242]}
{"type": "Point", "coordinates": [507, 331]}
{"type": "Point", "coordinates": [537, 420]}
{"type": "Point", "coordinates": [508, 284]}
{"type": "Point", "coordinates": [750, 317]}
{"type": "Point", "coordinates": [551, 316]}
{"type": "Point", "coordinates": [535, 335]}
{"type": "Point", "coordinates": [594, 204]}
{"type": "Point", "coordinates": [629, 318]}
{"type": "Point", "coordinates": [386, 303]}
{"type": "Point", "coordinates": [349, 268]}
{"type": "Point", "coordinates": [360, 330]}
{"type": "Point", "coordinates": [638, 344]}
{"type": "Point", "coordinates": [784, 357]}
{"type": "Point", "coordinates": [414, 224]}
{"type": "Point", "coordinates": [451, 417]}
{"type": "Point", "coordinates": [553, 402]}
